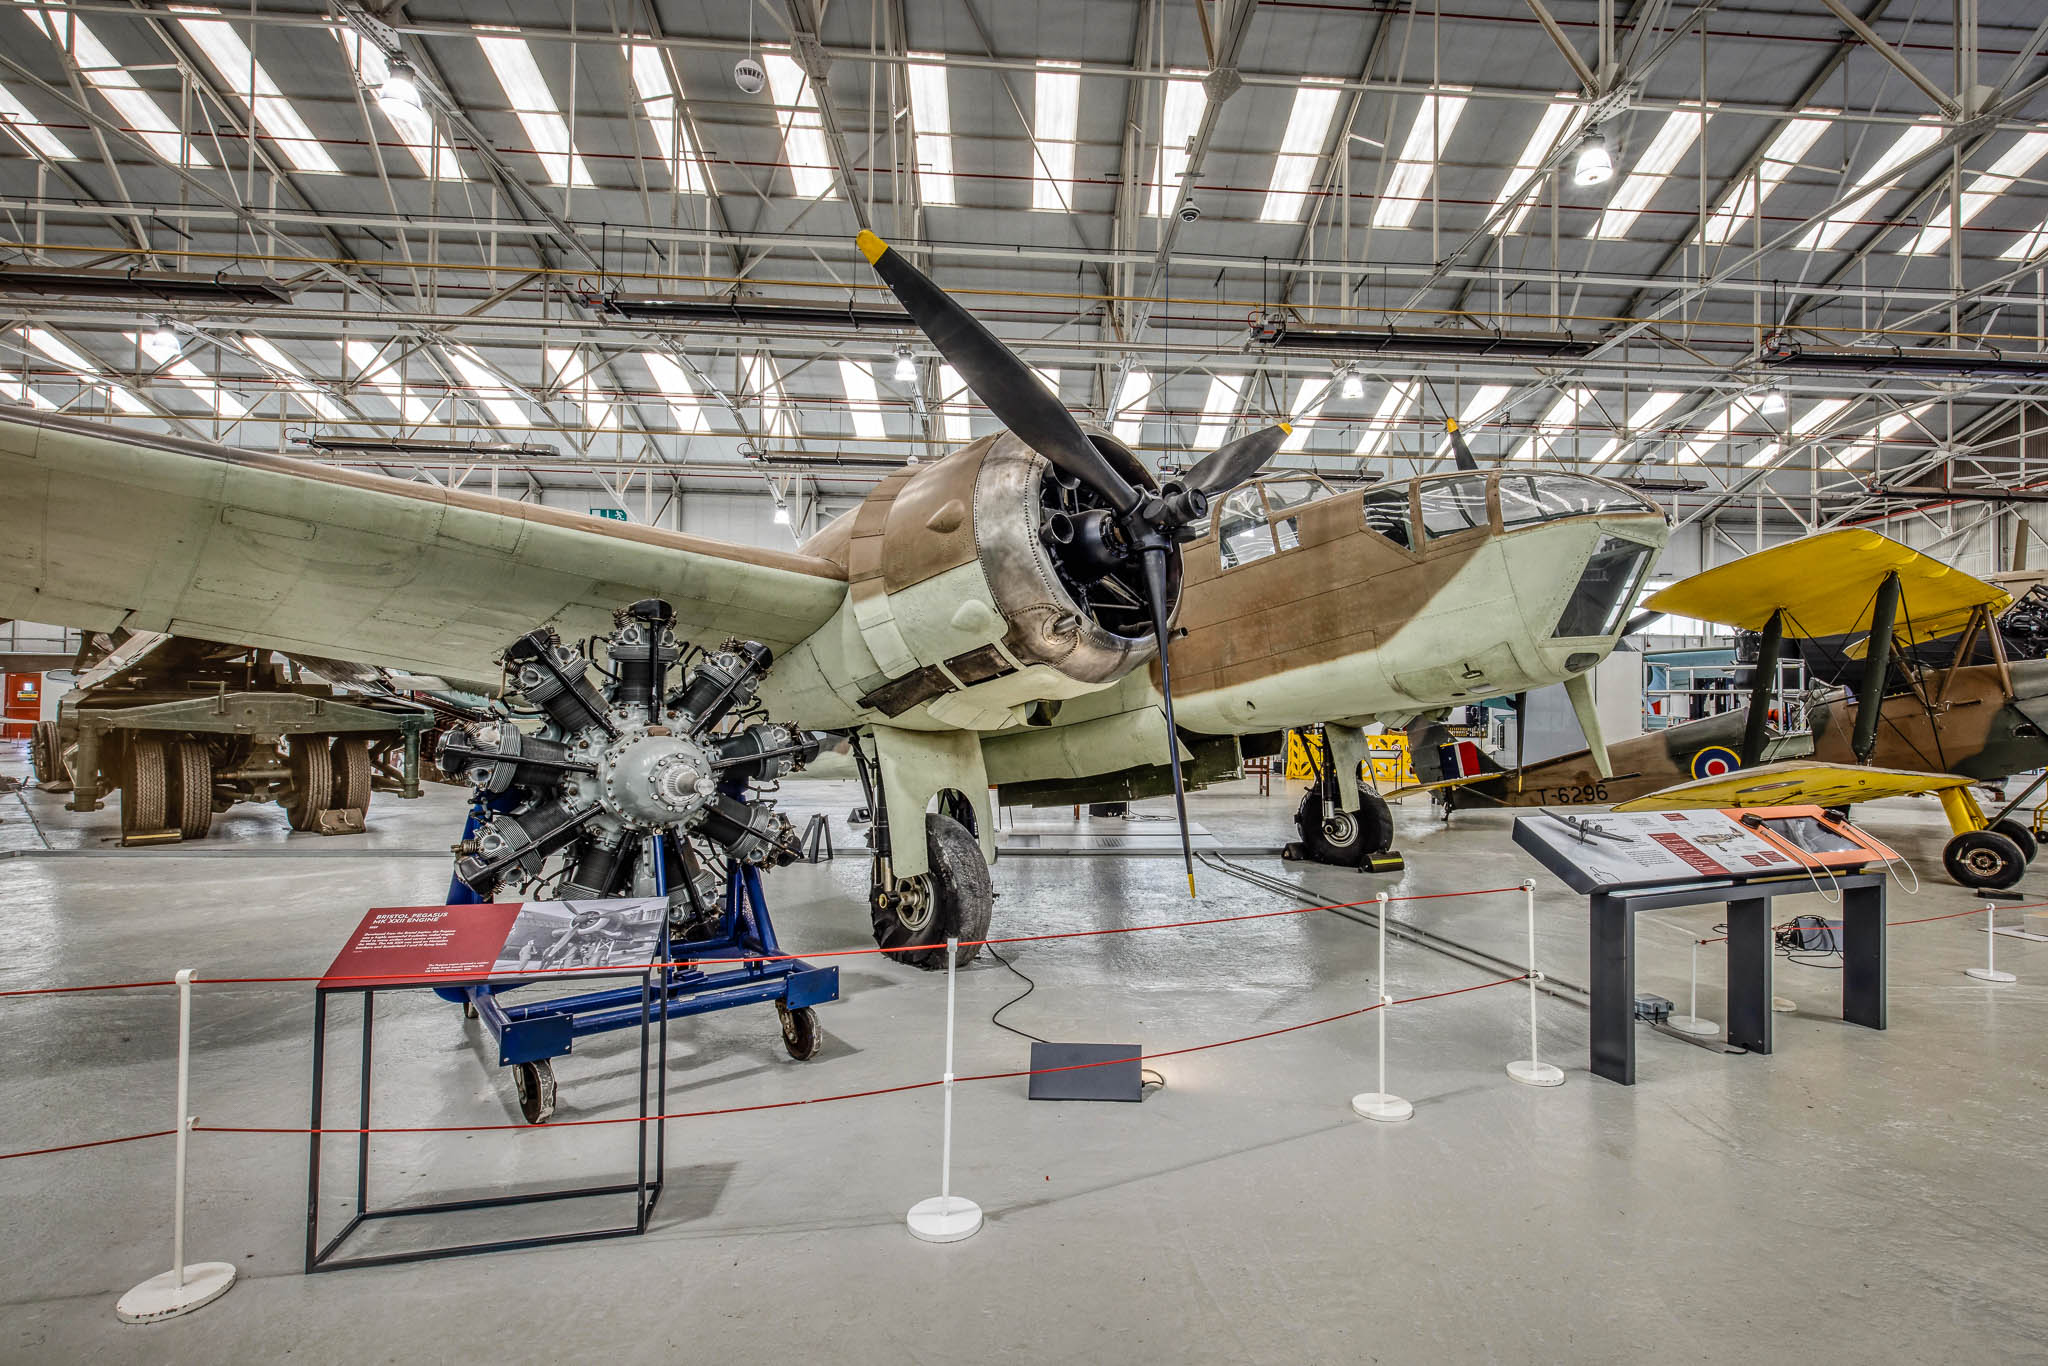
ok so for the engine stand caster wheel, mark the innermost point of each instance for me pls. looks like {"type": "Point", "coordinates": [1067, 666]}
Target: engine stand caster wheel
{"type": "Point", "coordinates": [800, 1033]}
{"type": "Point", "coordinates": [469, 1010]}
{"type": "Point", "coordinates": [535, 1083]}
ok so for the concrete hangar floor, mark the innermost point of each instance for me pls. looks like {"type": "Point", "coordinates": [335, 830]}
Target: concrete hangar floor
{"type": "Point", "coordinates": [1856, 1195]}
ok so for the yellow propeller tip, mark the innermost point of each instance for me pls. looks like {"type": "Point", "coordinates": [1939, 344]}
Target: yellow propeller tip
{"type": "Point", "coordinates": [1191, 885]}
{"type": "Point", "coordinates": [870, 246]}
{"type": "Point", "coordinates": [1450, 424]}
{"type": "Point", "coordinates": [1287, 428]}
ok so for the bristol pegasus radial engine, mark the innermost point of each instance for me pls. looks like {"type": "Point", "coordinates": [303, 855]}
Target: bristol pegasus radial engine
{"type": "Point", "coordinates": [633, 788]}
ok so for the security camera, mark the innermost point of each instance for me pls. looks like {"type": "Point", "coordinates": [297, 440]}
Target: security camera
{"type": "Point", "coordinates": [1190, 211]}
{"type": "Point", "coordinates": [748, 75]}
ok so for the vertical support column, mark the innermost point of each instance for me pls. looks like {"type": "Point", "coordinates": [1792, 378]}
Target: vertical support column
{"type": "Point", "coordinates": [1613, 971]}
{"type": "Point", "coordinates": [1863, 955]}
{"type": "Point", "coordinates": [1749, 974]}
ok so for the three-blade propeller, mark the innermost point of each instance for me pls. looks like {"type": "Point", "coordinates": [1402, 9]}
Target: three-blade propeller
{"type": "Point", "coordinates": [1149, 524]}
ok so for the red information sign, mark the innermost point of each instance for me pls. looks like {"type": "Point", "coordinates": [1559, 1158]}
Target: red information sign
{"type": "Point", "coordinates": [401, 944]}
{"type": "Point", "coordinates": [1690, 852]}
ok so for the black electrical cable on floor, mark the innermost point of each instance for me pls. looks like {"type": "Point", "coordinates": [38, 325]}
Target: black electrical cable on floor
{"type": "Point", "coordinates": [995, 1016]}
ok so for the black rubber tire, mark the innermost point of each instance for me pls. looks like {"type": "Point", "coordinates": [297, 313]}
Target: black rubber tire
{"type": "Point", "coordinates": [800, 1032]}
{"type": "Point", "coordinates": [144, 787]}
{"type": "Point", "coordinates": [1983, 859]}
{"type": "Point", "coordinates": [535, 1084]}
{"type": "Point", "coordinates": [961, 899]}
{"type": "Point", "coordinates": [350, 757]}
{"type": "Point", "coordinates": [46, 753]}
{"type": "Point", "coordinates": [1360, 834]}
{"type": "Point", "coordinates": [312, 768]}
{"type": "Point", "coordinates": [191, 795]}
{"type": "Point", "coordinates": [2020, 835]}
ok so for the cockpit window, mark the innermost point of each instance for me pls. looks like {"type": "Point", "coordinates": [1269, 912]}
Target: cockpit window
{"type": "Point", "coordinates": [1386, 512]}
{"type": "Point", "coordinates": [1282, 494]}
{"type": "Point", "coordinates": [1450, 506]}
{"type": "Point", "coordinates": [1606, 587]}
{"type": "Point", "coordinates": [1242, 534]}
{"type": "Point", "coordinates": [1527, 498]}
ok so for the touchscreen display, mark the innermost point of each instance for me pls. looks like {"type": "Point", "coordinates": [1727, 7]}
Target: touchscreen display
{"type": "Point", "coordinates": [1805, 832]}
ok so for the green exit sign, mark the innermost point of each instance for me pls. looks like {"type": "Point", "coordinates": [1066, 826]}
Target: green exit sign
{"type": "Point", "coordinates": [609, 514]}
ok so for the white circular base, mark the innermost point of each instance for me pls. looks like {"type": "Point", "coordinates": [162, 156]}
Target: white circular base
{"type": "Point", "coordinates": [1990, 974]}
{"type": "Point", "coordinates": [944, 1219]}
{"type": "Point", "coordinates": [1784, 1005]}
{"type": "Point", "coordinates": [161, 1297]}
{"type": "Point", "coordinates": [1378, 1105]}
{"type": "Point", "coordinates": [1693, 1024]}
{"type": "Point", "coordinates": [1536, 1073]}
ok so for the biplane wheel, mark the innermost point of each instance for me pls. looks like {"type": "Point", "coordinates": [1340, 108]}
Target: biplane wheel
{"type": "Point", "coordinates": [1345, 839]}
{"type": "Point", "coordinates": [312, 769]}
{"type": "Point", "coordinates": [535, 1083]}
{"type": "Point", "coordinates": [144, 795]}
{"type": "Point", "coordinates": [800, 1033]}
{"type": "Point", "coordinates": [46, 753]}
{"type": "Point", "coordinates": [1983, 859]}
{"type": "Point", "coordinates": [2018, 834]}
{"type": "Point", "coordinates": [953, 900]}
{"type": "Point", "coordinates": [350, 758]}
{"type": "Point", "coordinates": [191, 789]}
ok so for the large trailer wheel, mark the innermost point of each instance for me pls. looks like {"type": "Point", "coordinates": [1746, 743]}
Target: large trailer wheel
{"type": "Point", "coordinates": [46, 753]}
{"type": "Point", "coordinates": [312, 769]}
{"type": "Point", "coordinates": [350, 758]}
{"type": "Point", "coordinates": [955, 899]}
{"type": "Point", "coordinates": [144, 786]}
{"type": "Point", "coordinates": [191, 786]}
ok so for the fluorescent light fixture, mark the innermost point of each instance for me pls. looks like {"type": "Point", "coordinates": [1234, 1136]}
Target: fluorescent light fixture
{"type": "Point", "coordinates": [383, 376]}
{"type": "Point", "coordinates": [1680, 129]}
{"type": "Point", "coordinates": [244, 78]}
{"type": "Point", "coordinates": [1982, 189]}
{"type": "Point", "coordinates": [1792, 142]}
{"type": "Point", "coordinates": [905, 369]}
{"type": "Point", "coordinates": [488, 389]}
{"type": "Point", "coordinates": [665, 117]}
{"type": "Point", "coordinates": [803, 132]}
{"type": "Point", "coordinates": [861, 401]}
{"type": "Point", "coordinates": [1353, 383]}
{"type": "Point", "coordinates": [105, 73]}
{"type": "Point", "coordinates": [1653, 406]}
{"type": "Point", "coordinates": [673, 383]}
{"type": "Point", "coordinates": [526, 90]}
{"type": "Point", "coordinates": [931, 114]}
{"type": "Point", "coordinates": [1055, 118]}
{"type": "Point", "coordinates": [1594, 164]}
{"type": "Point", "coordinates": [1484, 399]}
{"type": "Point", "coordinates": [1773, 402]}
{"type": "Point", "coordinates": [1218, 410]}
{"type": "Point", "coordinates": [1721, 427]}
{"type": "Point", "coordinates": [1128, 421]}
{"type": "Point", "coordinates": [432, 152]}
{"type": "Point", "coordinates": [1394, 406]}
{"type": "Point", "coordinates": [781, 513]}
{"type": "Point", "coordinates": [1301, 148]}
{"type": "Point", "coordinates": [399, 97]}
{"type": "Point", "coordinates": [29, 131]}
{"type": "Point", "coordinates": [1884, 431]}
{"type": "Point", "coordinates": [294, 378]}
{"type": "Point", "coordinates": [1552, 424]}
{"type": "Point", "coordinates": [953, 411]}
{"type": "Point", "coordinates": [161, 340]}
{"type": "Point", "coordinates": [1560, 118]}
{"type": "Point", "coordinates": [569, 370]}
{"type": "Point", "coordinates": [1178, 121]}
{"type": "Point", "coordinates": [1308, 406]}
{"type": "Point", "coordinates": [1419, 154]}
{"type": "Point", "coordinates": [1874, 183]}
{"type": "Point", "coordinates": [186, 373]}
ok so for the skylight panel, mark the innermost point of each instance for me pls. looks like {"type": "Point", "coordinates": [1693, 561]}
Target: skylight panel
{"type": "Point", "coordinates": [1301, 148]}
{"type": "Point", "coordinates": [165, 354]}
{"type": "Point", "coordinates": [246, 79]}
{"type": "Point", "coordinates": [1721, 427]}
{"type": "Point", "coordinates": [2027, 246]}
{"type": "Point", "coordinates": [87, 372]}
{"type": "Point", "coordinates": [1218, 410]}
{"type": "Point", "coordinates": [932, 115]}
{"type": "Point", "coordinates": [1875, 182]}
{"type": "Point", "coordinates": [1178, 123]}
{"type": "Point", "coordinates": [1792, 142]}
{"type": "Point", "coordinates": [1552, 425]}
{"type": "Point", "coordinates": [570, 371]}
{"type": "Point", "coordinates": [1393, 407]}
{"type": "Point", "coordinates": [665, 117]}
{"type": "Point", "coordinates": [1982, 189]}
{"type": "Point", "coordinates": [1560, 120]}
{"type": "Point", "coordinates": [526, 90]}
{"type": "Point", "coordinates": [1818, 416]}
{"type": "Point", "coordinates": [953, 411]}
{"type": "Point", "coordinates": [15, 390]}
{"type": "Point", "coordinates": [103, 72]}
{"type": "Point", "coordinates": [488, 389]}
{"type": "Point", "coordinates": [1889, 428]}
{"type": "Point", "coordinates": [673, 381]}
{"type": "Point", "coordinates": [1679, 131]}
{"type": "Point", "coordinates": [1483, 401]}
{"type": "Point", "coordinates": [1128, 420]}
{"type": "Point", "coordinates": [29, 131]}
{"type": "Point", "coordinates": [1049, 377]}
{"type": "Point", "coordinates": [803, 132]}
{"type": "Point", "coordinates": [294, 378]}
{"type": "Point", "coordinates": [1055, 119]}
{"type": "Point", "coordinates": [1308, 405]}
{"type": "Point", "coordinates": [436, 160]}
{"type": "Point", "coordinates": [1644, 417]}
{"type": "Point", "coordinates": [859, 383]}
{"type": "Point", "coordinates": [384, 377]}
{"type": "Point", "coordinates": [1419, 153]}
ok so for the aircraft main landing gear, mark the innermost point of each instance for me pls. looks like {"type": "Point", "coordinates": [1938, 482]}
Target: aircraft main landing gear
{"type": "Point", "coordinates": [1984, 859]}
{"type": "Point", "coordinates": [953, 900]}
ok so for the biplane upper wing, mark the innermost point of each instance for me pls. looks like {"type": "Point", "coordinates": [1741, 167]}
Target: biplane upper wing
{"type": "Point", "coordinates": [101, 528]}
{"type": "Point", "coordinates": [1797, 782]}
{"type": "Point", "coordinates": [1825, 584]}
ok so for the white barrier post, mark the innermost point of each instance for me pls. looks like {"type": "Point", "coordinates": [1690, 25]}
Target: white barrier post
{"type": "Point", "coordinates": [1690, 1022]}
{"type": "Point", "coordinates": [946, 1217]}
{"type": "Point", "coordinates": [1989, 972]}
{"type": "Point", "coordinates": [1532, 1070]}
{"type": "Point", "coordinates": [1380, 1104]}
{"type": "Point", "coordinates": [183, 1288]}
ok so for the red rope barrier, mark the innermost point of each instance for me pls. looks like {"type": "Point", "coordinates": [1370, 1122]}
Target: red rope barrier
{"type": "Point", "coordinates": [95, 1143]}
{"type": "Point", "coordinates": [1889, 924]}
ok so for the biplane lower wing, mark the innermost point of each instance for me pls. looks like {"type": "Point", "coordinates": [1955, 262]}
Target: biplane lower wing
{"type": "Point", "coordinates": [1794, 783]}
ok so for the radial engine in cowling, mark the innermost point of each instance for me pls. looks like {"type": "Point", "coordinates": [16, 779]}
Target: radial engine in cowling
{"type": "Point", "coordinates": [612, 770]}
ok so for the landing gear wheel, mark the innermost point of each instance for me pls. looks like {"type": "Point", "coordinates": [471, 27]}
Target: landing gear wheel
{"type": "Point", "coordinates": [191, 796]}
{"type": "Point", "coordinates": [800, 1034]}
{"type": "Point", "coordinates": [144, 787]}
{"type": "Point", "coordinates": [535, 1083]}
{"type": "Point", "coordinates": [953, 900]}
{"type": "Point", "coordinates": [1343, 838]}
{"type": "Point", "coordinates": [46, 753]}
{"type": "Point", "coordinates": [2018, 834]}
{"type": "Point", "coordinates": [350, 758]}
{"type": "Point", "coordinates": [312, 769]}
{"type": "Point", "coordinates": [1983, 859]}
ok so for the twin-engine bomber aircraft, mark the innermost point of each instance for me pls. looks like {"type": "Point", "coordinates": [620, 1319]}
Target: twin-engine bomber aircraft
{"type": "Point", "coordinates": [990, 618]}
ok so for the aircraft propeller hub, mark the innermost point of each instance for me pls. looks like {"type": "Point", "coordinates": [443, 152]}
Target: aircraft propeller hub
{"type": "Point", "coordinates": [648, 780]}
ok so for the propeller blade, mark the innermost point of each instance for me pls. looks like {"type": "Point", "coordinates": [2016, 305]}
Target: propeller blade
{"type": "Point", "coordinates": [1224, 468]}
{"type": "Point", "coordinates": [1459, 449]}
{"type": "Point", "coordinates": [1003, 383]}
{"type": "Point", "coordinates": [1155, 589]}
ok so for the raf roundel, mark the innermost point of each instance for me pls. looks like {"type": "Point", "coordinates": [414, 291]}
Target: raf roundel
{"type": "Point", "coordinates": [1715, 761]}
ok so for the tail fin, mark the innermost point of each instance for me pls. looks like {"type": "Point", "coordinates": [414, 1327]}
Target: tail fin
{"type": "Point", "coordinates": [1437, 756]}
